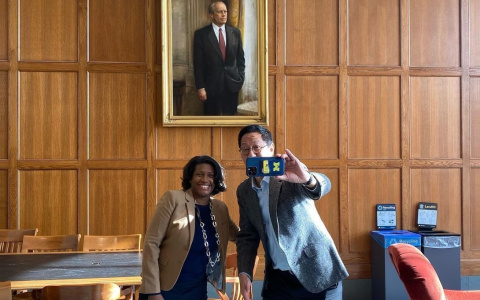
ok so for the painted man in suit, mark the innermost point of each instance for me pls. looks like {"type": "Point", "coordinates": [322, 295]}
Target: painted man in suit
{"type": "Point", "coordinates": [218, 76]}
{"type": "Point", "coordinates": [301, 260]}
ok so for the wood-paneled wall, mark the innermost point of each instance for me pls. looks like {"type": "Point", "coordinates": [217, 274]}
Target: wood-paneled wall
{"type": "Point", "coordinates": [383, 96]}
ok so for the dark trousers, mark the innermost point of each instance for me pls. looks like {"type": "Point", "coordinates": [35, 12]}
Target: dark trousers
{"type": "Point", "coordinates": [283, 285]}
{"type": "Point", "coordinates": [223, 104]}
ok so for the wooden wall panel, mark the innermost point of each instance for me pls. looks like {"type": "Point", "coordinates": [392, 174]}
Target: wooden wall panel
{"type": "Point", "coordinates": [272, 38]}
{"type": "Point", "coordinates": [176, 143]}
{"type": "Point", "coordinates": [442, 186]}
{"type": "Point", "coordinates": [230, 144]}
{"type": "Point", "coordinates": [475, 209]}
{"type": "Point", "coordinates": [48, 201]}
{"type": "Point", "coordinates": [312, 117]}
{"type": "Point", "coordinates": [48, 115]}
{"type": "Point", "coordinates": [366, 188]}
{"type": "Point", "coordinates": [167, 180]}
{"type": "Point", "coordinates": [372, 101]}
{"type": "Point", "coordinates": [435, 100]}
{"type": "Point", "coordinates": [116, 203]}
{"type": "Point", "coordinates": [374, 32]}
{"type": "Point", "coordinates": [3, 29]}
{"type": "Point", "coordinates": [117, 116]}
{"type": "Point", "coordinates": [312, 40]}
{"type": "Point", "coordinates": [474, 33]}
{"type": "Point", "coordinates": [4, 199]}
{"type": "Point", "coordinates": [3, 115]}
{"type": "Point", "coordinates": [117, 30]}
{"type": "Point", "coordinates": [272, 106]}
{"type": "Point", "coordinates": [435, 33]}
{"type": "Point", "coordinates": [328, 207]}
{"type": "Point", "coordinates": [233, 179]}
{"type": "Point", "coordinates": [48, 30]}
{"type": "Point", "coordinates": [474, 117]}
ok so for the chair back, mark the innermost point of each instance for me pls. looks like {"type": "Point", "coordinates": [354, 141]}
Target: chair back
{"type": "Point", "coordinates": [129, 242]}
{"type": "Point", "coordinates": [231, 268]}
{"type": "Point", "coordinates": [52, 243]}
{"type": "Point", "coordinates": [105, 291]}
{"type": "Point", "coordinates": [416, 272]}
{"type": "Point", "coordinates": [5, 290]}
{"type": "Point", "coordinates": [111, 242]}
{"type": "Point", "coordinates": [11, 239]}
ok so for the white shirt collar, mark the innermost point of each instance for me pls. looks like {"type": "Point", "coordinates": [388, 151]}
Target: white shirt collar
{"type": "Point", "coordinates": [215, 27]}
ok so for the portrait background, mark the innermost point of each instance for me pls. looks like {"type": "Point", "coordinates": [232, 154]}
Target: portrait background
{"type": "Point", "coordinates": [188, 16]}
{"type": "Point", "coordinates": [182, 106]}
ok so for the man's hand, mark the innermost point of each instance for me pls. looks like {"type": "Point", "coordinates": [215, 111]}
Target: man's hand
{"type": "Point", "coordinates": [295, 170]}
{"type": "Point", "coordinates": [202, 94]}
{"type": "Point", "coordinates": [245, 286]}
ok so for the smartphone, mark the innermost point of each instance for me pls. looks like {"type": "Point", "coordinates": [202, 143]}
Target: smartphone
{"type": "Point", "coordinates": [265, 166]}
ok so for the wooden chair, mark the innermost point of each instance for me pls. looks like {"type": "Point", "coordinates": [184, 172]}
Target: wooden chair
{"type": "Point", "coordinates": [11, 239]}
{"type": "Point", "coordinates": [231, 265]}
{"type": "Point", "coordinates": [111, 242]}
{"type": "Point", "coordinates": [106, 291]}
{"type": "Point", "coordinates": [5, 290]}
{"type": "Point", "coordinates": [52, 243]}
{"type": "Point", "coordinates": [127, 242]}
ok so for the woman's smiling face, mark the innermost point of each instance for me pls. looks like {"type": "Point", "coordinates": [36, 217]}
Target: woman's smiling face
{"type": "Point", "coordinates": [203, 181]}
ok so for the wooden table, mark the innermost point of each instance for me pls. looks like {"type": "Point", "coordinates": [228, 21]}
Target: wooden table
{"type": "Point", "coordinates": [36, 270]}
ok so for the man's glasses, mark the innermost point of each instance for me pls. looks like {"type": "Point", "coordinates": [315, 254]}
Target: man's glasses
{"type": "Point", "coordinates": [256, 149]}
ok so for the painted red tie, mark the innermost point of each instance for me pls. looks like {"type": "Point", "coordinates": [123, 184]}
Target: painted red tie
{"type": "Point", "coordinates": [221, 43]}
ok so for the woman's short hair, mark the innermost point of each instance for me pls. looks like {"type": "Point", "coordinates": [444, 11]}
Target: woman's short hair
{"type": "Point", "coordinates": [219, 176]}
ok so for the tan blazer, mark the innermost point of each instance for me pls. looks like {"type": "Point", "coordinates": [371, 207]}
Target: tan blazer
{"type": "Point", "coordinates": [170, 235]}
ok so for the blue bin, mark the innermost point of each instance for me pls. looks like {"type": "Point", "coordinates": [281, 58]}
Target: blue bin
{"type": "Point", "coordinates": [386, 285]}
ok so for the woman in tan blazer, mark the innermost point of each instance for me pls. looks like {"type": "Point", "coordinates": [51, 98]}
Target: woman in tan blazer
{"type": "Point", "coordinates": [186, 242]}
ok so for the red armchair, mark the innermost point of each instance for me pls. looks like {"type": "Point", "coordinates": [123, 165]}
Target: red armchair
{"type": "Point", "coordinates": [419, 276]}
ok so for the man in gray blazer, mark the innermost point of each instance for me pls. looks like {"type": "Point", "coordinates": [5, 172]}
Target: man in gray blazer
{"type": "Point", "coordinates": [219, 76]}
{"type": "Point", "coordinates": [301, 260]}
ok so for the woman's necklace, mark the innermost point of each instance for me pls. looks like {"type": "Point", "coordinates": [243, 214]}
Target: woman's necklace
{"type": "Point", "coordinates": [204, 233]}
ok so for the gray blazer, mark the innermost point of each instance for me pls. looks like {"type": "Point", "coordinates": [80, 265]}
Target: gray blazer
{"type": "Point", "coordinates": [301, 233]}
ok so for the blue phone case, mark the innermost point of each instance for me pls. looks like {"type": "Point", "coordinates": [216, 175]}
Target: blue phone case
{"type": "Point", "coordinates": [265, 166]}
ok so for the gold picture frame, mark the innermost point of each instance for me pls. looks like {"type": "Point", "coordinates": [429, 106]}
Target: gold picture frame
{"type": "Point", "coordinates": [178, 86]}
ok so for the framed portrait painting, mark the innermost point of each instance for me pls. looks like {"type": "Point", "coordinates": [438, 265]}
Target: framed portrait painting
{"type": "Point", "coordinates": [214, 62]}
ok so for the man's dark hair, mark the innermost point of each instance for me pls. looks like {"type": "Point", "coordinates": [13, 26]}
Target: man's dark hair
{"type": "Point", "coordinates": [266, 134]}
{"type": "Point", "coordinates": [189, 169]}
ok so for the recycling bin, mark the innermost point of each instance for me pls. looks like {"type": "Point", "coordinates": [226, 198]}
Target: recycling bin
{"type": "Point", "coordinates": [386, 284]}
{"type": "Point", "coordinates": [442, 248]}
